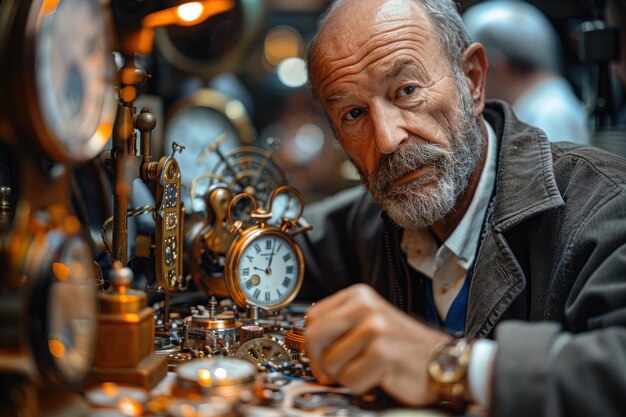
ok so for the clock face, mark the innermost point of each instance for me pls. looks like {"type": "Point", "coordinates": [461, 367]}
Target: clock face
{"type": "Point", "coordinates": [197, 128]}
{"type": "Point", "coordinates": [268, 270]}
{"type": "Point", "coordinates": [72, 311]}
{"type": "Point", "coordinates": [74, 77]}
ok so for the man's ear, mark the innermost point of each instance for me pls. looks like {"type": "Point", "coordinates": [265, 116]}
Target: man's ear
{"type": "Point", "coordinates": [474, 65]}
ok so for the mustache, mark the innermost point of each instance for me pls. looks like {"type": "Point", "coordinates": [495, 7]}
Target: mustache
{"type": "Point", "coordinates": [406, 159]}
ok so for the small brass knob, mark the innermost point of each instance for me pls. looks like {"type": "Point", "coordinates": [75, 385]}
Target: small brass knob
{"type": "Point", "coordinates": [121, 279]}
{"type": "Point", "coordinates": [145, 121]}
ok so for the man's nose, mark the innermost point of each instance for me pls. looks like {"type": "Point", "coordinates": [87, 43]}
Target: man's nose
{"type": "Point", "coordinates": [388, 127]}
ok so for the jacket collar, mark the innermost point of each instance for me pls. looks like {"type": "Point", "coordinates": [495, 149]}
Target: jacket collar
{"type": "Point", "coordinates": [525, 183]}
{"type": "Point", "coordinates": [525, 187]}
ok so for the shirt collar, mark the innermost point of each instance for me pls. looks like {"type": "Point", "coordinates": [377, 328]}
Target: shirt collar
{"type": "Point", "coordinates": [421, 247]}
{"type": "Point", "coordinates": [463, 241]}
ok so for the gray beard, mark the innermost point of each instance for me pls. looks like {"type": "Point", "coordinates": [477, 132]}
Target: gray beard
{"type": "Point", "coordinates": [422, 202]}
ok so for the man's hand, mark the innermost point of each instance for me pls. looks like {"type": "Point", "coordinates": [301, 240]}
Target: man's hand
{"type": "Point", "coordinates": [358, 339]}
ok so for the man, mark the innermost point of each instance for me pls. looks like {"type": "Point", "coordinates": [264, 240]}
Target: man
{"type": "Point", "coordinates": [483, 220]}
{"type": "Point", "coordinates": [523, 51]}
{"type": "Point", "coordinates": [615, 12]}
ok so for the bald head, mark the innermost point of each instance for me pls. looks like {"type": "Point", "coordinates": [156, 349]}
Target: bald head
{"type": "Point", "coordinates": [350, 24]}
{"type": "Point", "coordinates": [353, 35]}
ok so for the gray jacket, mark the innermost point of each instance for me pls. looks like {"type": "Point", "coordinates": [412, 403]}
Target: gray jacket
{"type": "Point", "coordinates": [549, 281]}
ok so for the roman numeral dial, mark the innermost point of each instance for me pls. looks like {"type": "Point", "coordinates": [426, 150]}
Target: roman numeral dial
{"type": "Point", "coordinates": [269, 269]}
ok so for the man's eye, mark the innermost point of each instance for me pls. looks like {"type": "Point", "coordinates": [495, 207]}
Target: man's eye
{"type": "Point", "coordinates": [353, 114]}
{"type": "Point", "coordinates": [407, 90]}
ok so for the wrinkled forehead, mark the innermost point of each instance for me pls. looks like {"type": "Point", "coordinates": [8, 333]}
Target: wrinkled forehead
{"type": "Point", "coordinates": [356, 28]}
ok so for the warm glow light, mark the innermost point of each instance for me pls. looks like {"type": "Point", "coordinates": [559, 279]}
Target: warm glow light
{"type": "Point", "coordinates": [292, 72]}
{"type": "Point", "coordinates": [77, 269]}
{"type": "Point", "coordinates": [204, 377]}
{"type": "Point", "coordinates": [72, 224]}
{"type": "Point", "coordinates": [187, 410]}
{"type": "Point", "coordinates": [190, 11]}
{"type": "Point", "coordinates": [187, 14]}
{"type": "Point", "coordinates": [48, 6]}
{"type": "Point", "coordinates": [104, 131]}
{"type": "Point", "coordinates": [57, 348]}
{"type": "Point", "coordinates": [129, 407]}
{"type": "Point", "coordinates": [235, 109]}
{"type": "Point", "coordinates": [60, 271]}
{"type": "Point", "coordinates": [282, 42]}
{"type": "Point", "coordinates": [110, 389]}
{"type": "Point", "coordinates": [221, 373]}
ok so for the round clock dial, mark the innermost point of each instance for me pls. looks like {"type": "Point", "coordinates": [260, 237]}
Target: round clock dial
{"type": "Point", "coordinates": [268, 270]}
{"type": "Point", "coordinates": [74, 79]}
{"type": "Point", "coordinates": [216, 45]}
{"type": "Point", "coordinates": [70, 336]}
{"type": "Point", "coordinates": [197, 128]}
{"type": "Point", "coordinates": [197, 122]}
{"type": "Point", "coordinates": [62, 307]}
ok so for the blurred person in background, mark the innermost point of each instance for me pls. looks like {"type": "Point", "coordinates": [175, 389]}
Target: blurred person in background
{"type": "Point", "coordinates": [616, 16]}
{"type": "Point", "coordinates": [524, 59]}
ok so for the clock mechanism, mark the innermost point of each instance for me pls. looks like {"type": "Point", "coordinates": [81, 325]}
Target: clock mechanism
{"type": "Point", "coordinates": [264, 271]}
{"type": "Point", "coordinates": [243, 169]}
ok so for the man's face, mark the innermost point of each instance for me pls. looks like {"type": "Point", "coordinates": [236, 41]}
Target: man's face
{"type": "Point", "coordinates": [401, 113]}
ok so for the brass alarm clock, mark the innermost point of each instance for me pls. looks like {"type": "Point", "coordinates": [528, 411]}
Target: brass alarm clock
{"type": "Point", "coordinates": [264, 267]}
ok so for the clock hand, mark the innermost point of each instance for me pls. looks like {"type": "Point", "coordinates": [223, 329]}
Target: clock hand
{"type": "Point", "coordinates": [271, 256]}
{"type": "Point", "coordinates": [210, 148]}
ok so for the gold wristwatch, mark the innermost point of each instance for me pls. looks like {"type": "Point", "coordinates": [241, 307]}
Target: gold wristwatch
{"type": "Point", "coordinates": [447, 371]}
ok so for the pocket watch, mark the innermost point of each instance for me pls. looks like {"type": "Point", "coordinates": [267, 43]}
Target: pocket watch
{"type": "Point", "coordinates": [264, 267]}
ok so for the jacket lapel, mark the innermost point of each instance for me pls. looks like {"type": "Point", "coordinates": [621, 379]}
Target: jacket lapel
{"type": "Point", "coordinates": [525, 187]}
